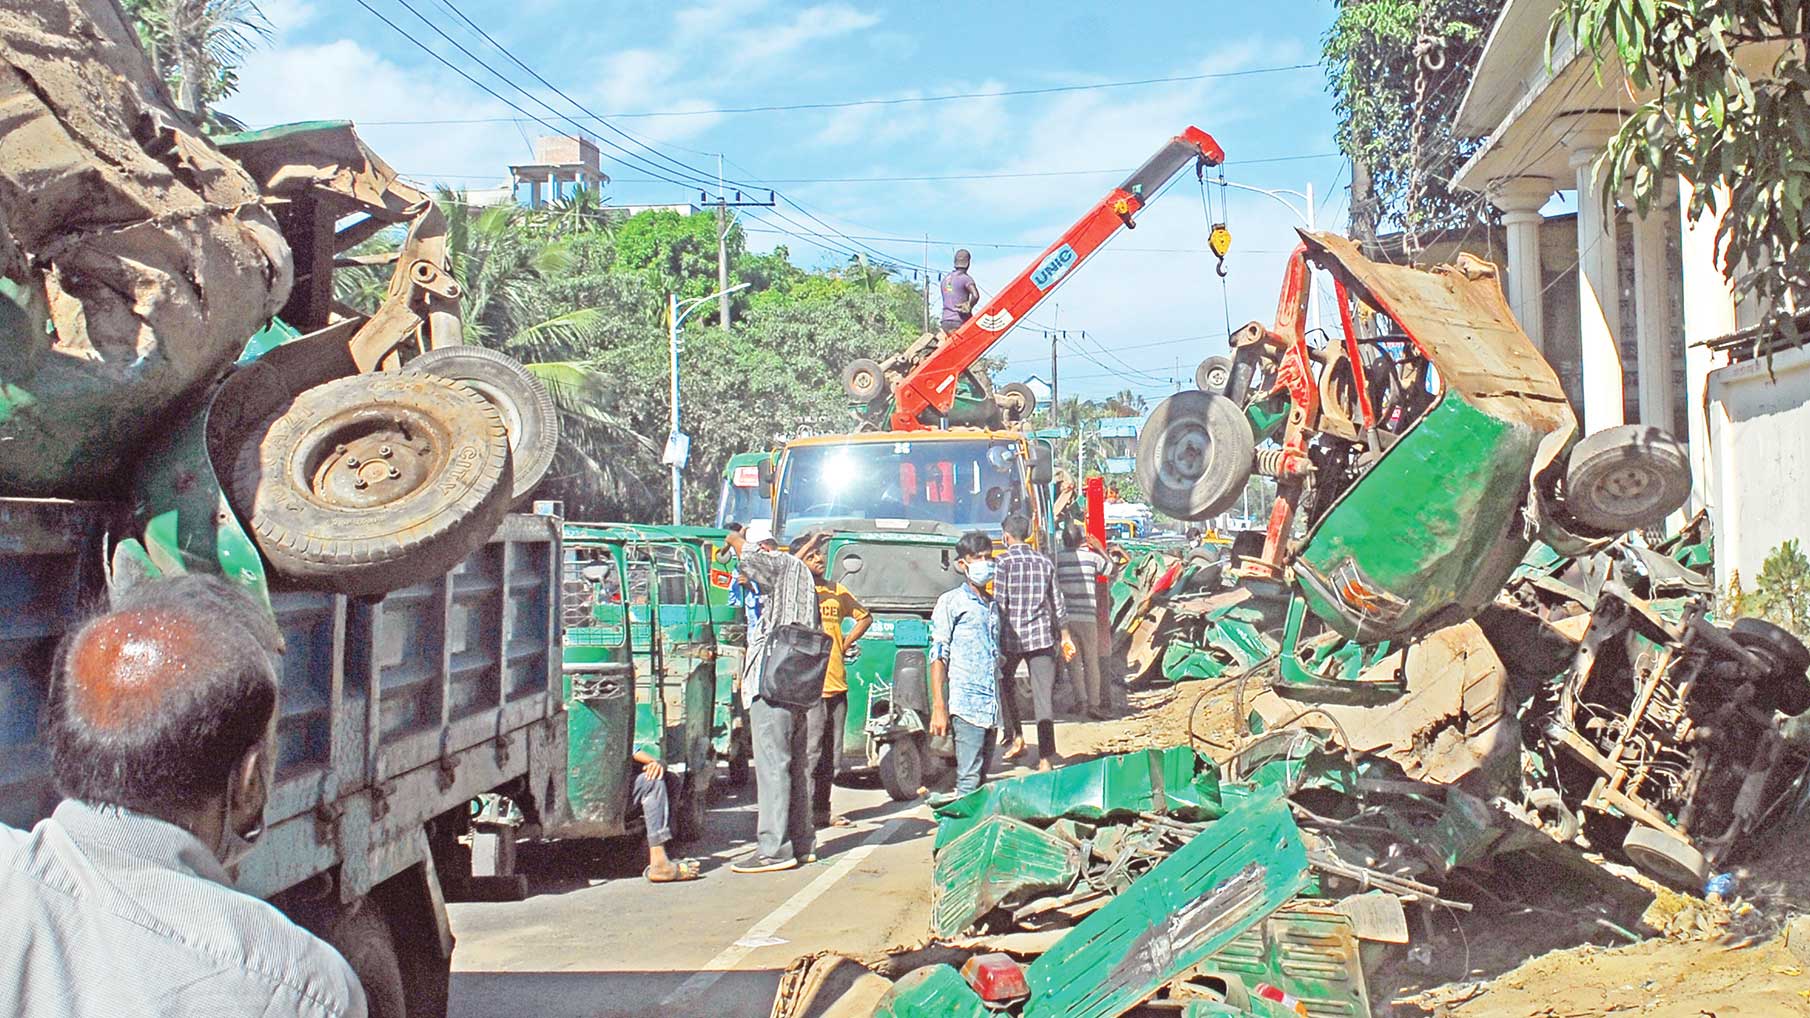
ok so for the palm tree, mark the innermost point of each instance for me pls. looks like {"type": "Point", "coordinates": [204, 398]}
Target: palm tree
{"type": "Point", "coordinates": [198, 45]}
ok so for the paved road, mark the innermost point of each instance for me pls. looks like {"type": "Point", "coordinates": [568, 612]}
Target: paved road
{"type": "Point", "coordinates": [593, 939]}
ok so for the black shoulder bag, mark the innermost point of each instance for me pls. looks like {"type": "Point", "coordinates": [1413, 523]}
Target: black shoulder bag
{"type": "Point", "coordinates": [796, 660]}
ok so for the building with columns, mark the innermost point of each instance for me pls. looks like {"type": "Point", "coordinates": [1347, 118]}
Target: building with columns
{"type": "Point", "coordinates": [1644, 292]}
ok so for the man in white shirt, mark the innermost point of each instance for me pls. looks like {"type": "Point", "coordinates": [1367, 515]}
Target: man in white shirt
{"type": "Point", "coordinates": [121, 902]}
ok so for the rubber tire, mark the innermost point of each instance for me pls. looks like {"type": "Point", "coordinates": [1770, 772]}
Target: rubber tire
{"type": "Point", "coordinates": [529, 414]}
{"type": "Point", "coordinates": [1789, 658]}
{"type": "Point", "coordinates": [1195, 425]}
{"type": "Point", "coordinates": [863, 380]}
{"type": "Point", "coordinates": [1646, 461]}
{"type": "Point", "coordinates": [1212, 368]}
{"type": "Point", "coordinates": [363, 938]}
{"type": "Point", "coordinates": [690, 814]}
{"type": "Point", "coordinates": [901, 768]}
{"type": "Point", "coordinates": [1666, 857]}
{"type": "Point", "coordinates": [363, 552]}
{"type": "Point", "coordinates": [1017, 401]}
{"type": "Point", "coordinates": [738, 769]}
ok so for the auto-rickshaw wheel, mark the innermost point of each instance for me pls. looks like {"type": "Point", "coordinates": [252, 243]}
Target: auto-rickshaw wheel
{"type": "Point", "coordinates": [529, 416]}
{"type": "Point", "coordinates": [901, 767]}
{"type": "Point", "coordinates": [1626, 477]}
{"type": "Point", "coordinates": [863, 380]}
{"type": "Point", "coordinates": [374, 482]}
{"type": "Point", "coordinates": [1194, 454]}
{"type": "Point", "coordinates": [1666, 856]}
{"type": "Point", "coordinates": [1213, 374]}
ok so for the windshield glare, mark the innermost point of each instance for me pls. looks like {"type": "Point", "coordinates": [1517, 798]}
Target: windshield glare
{"type": "Point", "coordinates": [742, 505]}
{"type": "Point", "coordinates": [971, 485]}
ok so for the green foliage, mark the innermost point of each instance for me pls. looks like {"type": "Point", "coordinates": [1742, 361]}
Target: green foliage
{"type": "Point", "coordinates": [1371, 55]}
{"type": "Point", "coordinates": [196, 46]}
{"type": "Point", "coordinates": [1781, 593]}
{"type": "Point", "coordinates": [1731, 109]}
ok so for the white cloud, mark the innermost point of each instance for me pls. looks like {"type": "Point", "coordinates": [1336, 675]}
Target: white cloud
{"type": "Point", "coordinates": [761, 47]}
{"type": "Point", "coordinates": [286, 16]}
{"type": "Point", "coordinates": [344, 80]}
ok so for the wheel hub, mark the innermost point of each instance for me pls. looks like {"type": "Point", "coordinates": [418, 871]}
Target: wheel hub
{"type": "Point", "coordinates": [1627, 483]}
{"type": "Point", "coordinates": [375, 467]}
{"type": "Point", "coordinates": [1185, 456]}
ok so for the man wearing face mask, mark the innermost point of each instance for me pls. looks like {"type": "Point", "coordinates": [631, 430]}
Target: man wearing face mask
{"type": "Point", "coordinates": [964, 663]}
{"type": "Point", "coordinates": [122, 901]}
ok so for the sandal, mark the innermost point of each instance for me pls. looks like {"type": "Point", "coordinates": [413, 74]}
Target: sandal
{"type": "Point", "coordinates": [1014, 751]}
{"type": "Point", "coordinates": [683, 870]}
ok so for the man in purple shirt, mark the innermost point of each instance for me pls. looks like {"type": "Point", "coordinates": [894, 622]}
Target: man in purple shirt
{"type": "Point", "coordinates": [960, 295]}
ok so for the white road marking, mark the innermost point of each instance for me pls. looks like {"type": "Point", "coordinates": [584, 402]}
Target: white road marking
{"type": "Point", "coordinates": [714, 969]}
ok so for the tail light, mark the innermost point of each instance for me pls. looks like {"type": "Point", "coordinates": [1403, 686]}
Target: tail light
{"type": "Point", "coordinates": [996, 977]}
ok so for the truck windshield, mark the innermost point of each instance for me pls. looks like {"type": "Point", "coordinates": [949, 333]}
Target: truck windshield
{"type": "Point", "coordinates": [970, 484]}
{"type": "Point", "coordinates": [742, 499]}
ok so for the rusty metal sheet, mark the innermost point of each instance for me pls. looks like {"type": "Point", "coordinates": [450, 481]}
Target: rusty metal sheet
{"type": "Point", "coordinates": [1456, 315]}
{"type": "Point", "coordinates": [1453, 721]}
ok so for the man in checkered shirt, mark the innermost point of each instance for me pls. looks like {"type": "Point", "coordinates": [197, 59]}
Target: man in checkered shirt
{"type": "Point", "coordinates": [1033, 629]}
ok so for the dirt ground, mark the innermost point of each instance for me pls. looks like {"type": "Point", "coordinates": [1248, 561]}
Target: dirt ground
{"type": "Point", "coordinates": [1547, 941]}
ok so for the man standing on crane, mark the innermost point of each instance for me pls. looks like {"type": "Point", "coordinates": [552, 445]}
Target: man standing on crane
{"type": "Point", "coordinates": [960, 295]}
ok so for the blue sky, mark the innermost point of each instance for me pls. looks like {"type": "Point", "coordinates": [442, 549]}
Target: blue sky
{"type": "Point", "coordinates": [1149, 303]}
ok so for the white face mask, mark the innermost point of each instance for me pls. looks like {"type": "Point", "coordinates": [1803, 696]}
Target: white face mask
{"type": "Point", "coordinates": [980, 570]}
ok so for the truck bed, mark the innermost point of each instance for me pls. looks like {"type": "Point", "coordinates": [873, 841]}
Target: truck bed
{"type": "Point", "coordinates": [390, 712]}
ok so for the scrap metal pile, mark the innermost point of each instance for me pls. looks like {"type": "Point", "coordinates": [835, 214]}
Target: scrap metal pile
{"type": "Point", "coordinates": [1451, 653]}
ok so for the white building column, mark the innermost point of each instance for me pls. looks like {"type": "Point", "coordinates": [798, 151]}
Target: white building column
{"type": "Point", "coordinates": [1709, 312]}
{"type": "Point", "coordinates": [1520, 199]}
{"type": "Point", "coordinates": [1599, 275]}
{"type": "Point", "coordinates": [1655, 332]}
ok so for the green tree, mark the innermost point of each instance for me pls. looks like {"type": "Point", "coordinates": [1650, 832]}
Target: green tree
{"type": "Point", "coordinates": [196, 46]}
{"type": "Point", "coordinates": [1781, 593]}
{"type": "Point", "coordinates": [1397, 70]}
{"type": "Point", "coordinates": [1730, 110]}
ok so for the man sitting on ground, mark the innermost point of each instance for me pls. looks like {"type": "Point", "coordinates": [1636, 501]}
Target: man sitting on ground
{"type": "Point", "coordinates": [651, 796]}
{"type": "Point", "coordinates": [122, 901]}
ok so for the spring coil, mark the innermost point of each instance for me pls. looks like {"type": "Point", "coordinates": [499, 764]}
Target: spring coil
{"type": "Point", "coordinates": [1269, 462]}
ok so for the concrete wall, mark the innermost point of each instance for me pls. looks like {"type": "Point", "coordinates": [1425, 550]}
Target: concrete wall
{"type": "Point", "coordinates": [1759, 427]}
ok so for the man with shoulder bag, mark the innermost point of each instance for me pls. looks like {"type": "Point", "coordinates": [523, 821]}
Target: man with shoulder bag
{"type": "Point", "coordinates": [788, 657]}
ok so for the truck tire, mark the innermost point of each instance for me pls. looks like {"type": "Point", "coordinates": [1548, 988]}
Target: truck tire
{"type": "Point", "coordinates": [1626, 477]}
{"type": "Point", "coordinates": [1665, 856]}
{"type": "Point", "coordinates": [529, 415]}
{"type": "Point", "coordinates": [1213, 374]}
{"type": "Point", "coordinates": [331, 511]}
{"type": "Point", "coordinates": [1017, 400]}
{"type": "Point", "coordinates": [363, 938]}
{"type": "Point", "coordinates": [1787, 657]}
{"type": "Point", "coordinates": [1195, 453]}
{"type": "Point", "coordinates": [902, 767]}
{"type": "Point", "coordinates": [863, 380]}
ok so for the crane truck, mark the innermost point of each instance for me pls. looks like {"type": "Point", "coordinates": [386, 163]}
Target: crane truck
{"type": "Point", "coordinates": [940, 452]}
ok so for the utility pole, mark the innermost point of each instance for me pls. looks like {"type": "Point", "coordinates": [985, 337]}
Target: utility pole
{"type": "Point", "coordinates": [926, 282]}
{"type": "Point", "coordinates": [723, 205]}
{"type": "Point", "coordinates": [678, 446]}
{"type": "Point", "coordinates": [722, 250]}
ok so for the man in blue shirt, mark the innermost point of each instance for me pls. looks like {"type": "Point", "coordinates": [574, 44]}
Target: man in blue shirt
{"type": "Point", "coordinates": [964, 663]}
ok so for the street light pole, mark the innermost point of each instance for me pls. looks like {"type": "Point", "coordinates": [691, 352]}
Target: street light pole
{"type": "Point", "coordinates": [1307, 220]}
{"type": "Point", "coordinates": [676, 312]}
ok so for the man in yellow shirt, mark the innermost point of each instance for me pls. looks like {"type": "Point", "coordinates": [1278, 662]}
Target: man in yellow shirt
{"type": "Point", "coordinates": [835, 604]}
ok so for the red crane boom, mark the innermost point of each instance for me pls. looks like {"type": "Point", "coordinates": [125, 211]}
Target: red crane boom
{"type": "Point", "coordinates": [932, 384]}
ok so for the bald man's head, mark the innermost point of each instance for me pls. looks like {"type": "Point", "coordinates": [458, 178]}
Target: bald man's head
{"type": "Point", "coordinates": [157, 700]}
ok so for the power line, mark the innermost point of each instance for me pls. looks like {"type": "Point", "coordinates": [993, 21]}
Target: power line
{"type": "Point", "coordinates": [893, 100]}
{"type": "Point", "coordinates": [769, 181]}
{"type": "Point", "coordinates": [430, 51]}
{"type": "Point", "coordinates": [681, 167]}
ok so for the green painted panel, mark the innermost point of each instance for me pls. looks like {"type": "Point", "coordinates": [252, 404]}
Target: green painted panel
{"type": "Point", "coordinates": [936, 991]}
{"type": "Point", "coordinates": [1177, 780]}
{"type": "Point", "coordinates": [1305, 950]}
{"type": "Point", "coordinates": [1190, 906]}
{"type": "Point", "coordinates": [1430, 533]}
{"type": "Point", "coordinates": [991, 862]}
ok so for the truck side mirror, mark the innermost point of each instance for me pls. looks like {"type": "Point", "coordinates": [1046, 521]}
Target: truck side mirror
{"type": "Point", "coordinates": [1043, 467]}
{"type": "Point", "coordinates": [763, 473]}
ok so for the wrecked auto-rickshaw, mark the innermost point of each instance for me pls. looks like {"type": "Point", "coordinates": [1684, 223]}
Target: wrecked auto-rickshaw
{"type": "Point", "coordinates": [170, 336]}
{"type": "Point", "coordinates": [1406, 500]}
